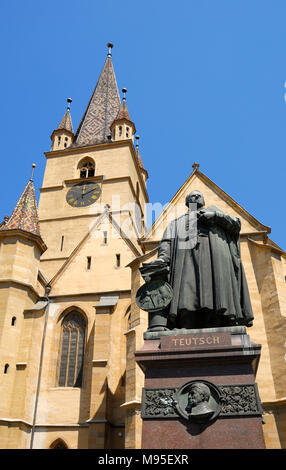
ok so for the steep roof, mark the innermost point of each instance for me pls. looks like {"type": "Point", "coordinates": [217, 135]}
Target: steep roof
{"type": "Point", "coordinates": [25, 214]}
{"type": "Point", "coordinates": [66, 122]}
{"type": "Point", "coordinates": [102, 109]}
{"type": "Point", "coordinates": [123, 111]}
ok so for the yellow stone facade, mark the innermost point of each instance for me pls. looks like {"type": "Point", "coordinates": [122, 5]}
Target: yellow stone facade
{"type": "Point", "coordinates": [89, 258]}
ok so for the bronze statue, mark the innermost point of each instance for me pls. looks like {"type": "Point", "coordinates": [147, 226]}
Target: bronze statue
{"type": "Point", "coordinates": [201, 252]}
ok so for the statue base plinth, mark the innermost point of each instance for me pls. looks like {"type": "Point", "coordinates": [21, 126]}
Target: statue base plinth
{"type": "Point", "coordinates": [200, 390]}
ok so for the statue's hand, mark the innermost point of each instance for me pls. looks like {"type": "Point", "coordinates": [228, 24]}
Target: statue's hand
{"type": "Point", "coordinates": [156, 262]}
{"type": "Point", "coordinates": [206, 217]}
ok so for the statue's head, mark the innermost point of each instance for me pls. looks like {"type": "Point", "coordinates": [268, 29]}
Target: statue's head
{"type": "Point", "coordinates": [195, 197]}
{"type": "Point", "coordinates": [199, 393]}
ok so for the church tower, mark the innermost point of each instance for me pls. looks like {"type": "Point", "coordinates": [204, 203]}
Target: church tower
{"type": "Point", "coordinates": [91, 214]}
{"type": "Point", "coordinates": [97, 166]}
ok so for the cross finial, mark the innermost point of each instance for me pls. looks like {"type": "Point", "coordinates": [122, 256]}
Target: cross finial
{"type": "Point", "coordinates": [110, 46]}
{"type": "Point", "coordinates": [137, 141]}
{"type": "Point", "coordinates": [195, 165]}
{"type": "Point", "coordinates": [33, 169]}
{"type": "Point", "coordinates": [69, 100]}
{"type": "Point", "coordinates": [124, 91]}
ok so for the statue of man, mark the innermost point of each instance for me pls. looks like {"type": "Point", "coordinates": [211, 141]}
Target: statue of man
{"type": "Point", "coordinates": [202, 251]}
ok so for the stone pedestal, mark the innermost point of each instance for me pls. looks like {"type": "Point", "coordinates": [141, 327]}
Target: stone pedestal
{"type": "Point", "coordinates": [221, 363]}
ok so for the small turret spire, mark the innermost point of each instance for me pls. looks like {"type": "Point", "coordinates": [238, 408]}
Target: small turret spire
{"type": "Point", "coordinates": [62, 137]}
{"type": "Point", "coordinates": [66, 122]}
{"type": "Point", "coordinates": [25, 214]}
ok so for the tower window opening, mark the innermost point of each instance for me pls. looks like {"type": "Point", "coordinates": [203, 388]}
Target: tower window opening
{"type": "Point", "coordinates": [88, 262]}
{"type": "Point", "coordinates": [13, 322]}
{"type": "Point", "coordinates": [87, 170]}
{"type": "Point", "coordinates": [59, 140]}
{"type": "Point", "coordinates": [62, 242]}
{"type": "Point", "coordinates": [105, 238]}
{"type": "Point", "coordinates": [6, 367]}
{"type": "Point", "coordinates": [127, 132]}
{"type": "Point", "coordinates": [66, 139]}
{"type": "Point", "coordinates": [120, 131]}
{"type": "Point", "coordinates": [118, 260]}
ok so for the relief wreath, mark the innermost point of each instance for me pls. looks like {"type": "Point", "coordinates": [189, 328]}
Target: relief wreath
{"type": "Point", "coordinates": [154, 295]}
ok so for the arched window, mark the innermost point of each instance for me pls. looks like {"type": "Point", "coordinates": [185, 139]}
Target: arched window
{"type": "Point", "coordinates": [6, 367]}
{"type": "Point", "coordinates": [72, 350]}
{"type": "Point", "coordinates": [13, 321]}
{"type": "Point", "coordinates": [58, 444]}
{"type": "Point", "coordinates": [87, 169]}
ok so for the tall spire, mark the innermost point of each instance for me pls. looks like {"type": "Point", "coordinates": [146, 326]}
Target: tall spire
{"type": "Point", "coordinates": [102, 109]}
{"type": "Point", "coordinates": [66, 122]}
{"type": "Point", "coordinates": [25, 214]}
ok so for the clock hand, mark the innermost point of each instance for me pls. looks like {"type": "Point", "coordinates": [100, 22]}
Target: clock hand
{"type": "Point", "coordinates": [90, 190]}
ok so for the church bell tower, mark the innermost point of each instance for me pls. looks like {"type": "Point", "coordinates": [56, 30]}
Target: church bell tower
{"type": "Point", "coordinates": [91, 216]}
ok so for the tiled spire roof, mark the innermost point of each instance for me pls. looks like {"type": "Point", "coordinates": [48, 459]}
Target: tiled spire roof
{"type": "Point", "coordinates": [66, 122]}
{"type": "Point", "coordinates": [25, 214]}
{"type": "Point", "coordinates": [123, 111]}
{"type": "Point", "coordinates": [140, 163]}
{"type": "Point", "coordinates": [102, 108]}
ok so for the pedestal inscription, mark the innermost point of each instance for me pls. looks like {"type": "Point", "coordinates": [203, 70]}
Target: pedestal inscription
{"type": "Point", "coordinates": [195, 341]}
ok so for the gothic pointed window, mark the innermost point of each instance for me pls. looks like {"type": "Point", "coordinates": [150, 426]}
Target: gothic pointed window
{"type": "Point", "coordinates": [87, 169]}
{"type": "Point", "coordinates": [72, 350]}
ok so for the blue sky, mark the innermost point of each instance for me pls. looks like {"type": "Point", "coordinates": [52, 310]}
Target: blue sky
{"type": "Point", "coordinates": [205, 81]}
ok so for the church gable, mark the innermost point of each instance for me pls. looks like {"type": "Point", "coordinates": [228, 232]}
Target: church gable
{"type": "Point", "coordinates": [214, 196]}
{"type": "Point", "coordinates": [98, 263]}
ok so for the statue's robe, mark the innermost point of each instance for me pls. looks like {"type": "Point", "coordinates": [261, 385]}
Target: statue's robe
{"type": "Point", "coordinates": [210, 275]}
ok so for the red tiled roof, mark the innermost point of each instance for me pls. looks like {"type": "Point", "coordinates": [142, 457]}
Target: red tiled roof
{"type": "Point", "coordinates": [25, 214]}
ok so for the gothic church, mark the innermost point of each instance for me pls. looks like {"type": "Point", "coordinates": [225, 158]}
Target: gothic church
{"type": "Point", "coordinates": [69, 273]}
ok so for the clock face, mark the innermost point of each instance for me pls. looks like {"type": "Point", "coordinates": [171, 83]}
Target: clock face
{"type": "Point", "coordinates": [83, 194]}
